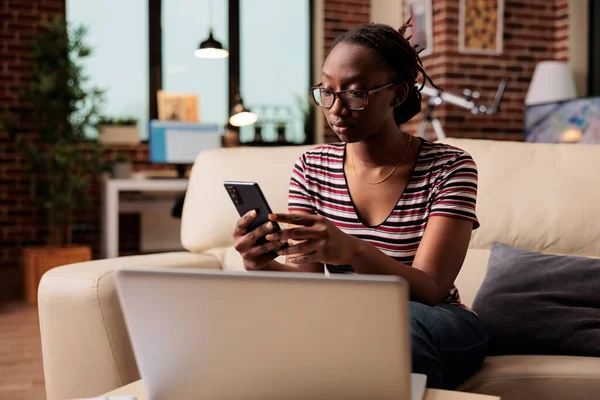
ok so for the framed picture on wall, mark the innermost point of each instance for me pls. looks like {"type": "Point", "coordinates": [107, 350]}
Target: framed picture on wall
{"type": "Point", "coordinates": [481, 25]}
{"type": "Point", "coordinates": [421, 30]}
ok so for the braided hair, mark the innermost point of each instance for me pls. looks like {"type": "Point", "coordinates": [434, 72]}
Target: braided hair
{"type": "Point", "coordinates": [395, 52]}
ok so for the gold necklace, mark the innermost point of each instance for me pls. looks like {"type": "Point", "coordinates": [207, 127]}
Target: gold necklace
{"type": "Point", "coordinates": [388, 175]}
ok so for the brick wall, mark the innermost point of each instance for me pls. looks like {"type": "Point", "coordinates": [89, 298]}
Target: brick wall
{"type": "Point", "coordinates": [561, 33]}
{"type": "Point", "coordinates": [18, 221]}
{"type": "Point", "coordinates": [341, 16]}
{"type": "Point", "coordinates": [20, 224]}
{"type": "Point", "coordinates": [534, 30]}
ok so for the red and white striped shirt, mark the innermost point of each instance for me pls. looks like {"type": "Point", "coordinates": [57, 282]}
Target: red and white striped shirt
{"type": "Point", "coordinates": [443, 182]}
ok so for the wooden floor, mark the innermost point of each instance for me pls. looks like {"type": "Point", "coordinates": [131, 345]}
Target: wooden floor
{"type": "Point", "coordinates": [21, 371]}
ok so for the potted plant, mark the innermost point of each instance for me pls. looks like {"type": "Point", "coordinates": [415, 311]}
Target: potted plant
{"type": "Point", "coordinates": [121, 166]}
{"type": "Point", "coordinates": [62, 161]}
{"type": "Point", "coordinates": [118, 130]}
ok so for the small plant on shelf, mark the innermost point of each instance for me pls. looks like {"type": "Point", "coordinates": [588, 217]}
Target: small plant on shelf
{"type": "Point", "coordinates": [129, 121]}
{"type": "Point", "coordinates": [118, 130]}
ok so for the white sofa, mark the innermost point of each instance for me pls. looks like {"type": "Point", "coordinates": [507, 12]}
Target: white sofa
{"type": "Point", "coordinates": [535, 196]}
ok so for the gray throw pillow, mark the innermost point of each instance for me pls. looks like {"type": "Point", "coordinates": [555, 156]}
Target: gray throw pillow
{"type": "Point", "coordinates": [535, 303]}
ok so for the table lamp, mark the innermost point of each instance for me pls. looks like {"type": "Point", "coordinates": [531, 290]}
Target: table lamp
{"type": "Point", "coordinates": [240, 115]}
{"type": "Point", "coordinates": [552, 81]}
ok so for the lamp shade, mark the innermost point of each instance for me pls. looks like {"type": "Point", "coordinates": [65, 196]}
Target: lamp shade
{"type": "Point", "coordinates": [211, 48]}
{"type": "Point", "coordinates": [552, 81]}
{"type": "Point", "coordinates": [240, 115]}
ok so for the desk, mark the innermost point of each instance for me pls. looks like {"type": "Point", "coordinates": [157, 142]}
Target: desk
{"type": "Point", "coordinates": [112, 207]}
{"type": "Point", "coordinates": [138, 390]}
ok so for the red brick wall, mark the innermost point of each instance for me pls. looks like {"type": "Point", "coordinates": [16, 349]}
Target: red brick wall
{"type": "Point", "coordinates": [18, 221]}
{"type": "Point", "coordinates": [341, 16]}
{"type": "Point", "coordinates": [561, 35]}
{"type": "Point", "coordinates": [20, 224]}
{"type": "Point", "coordinates": [533, 31]}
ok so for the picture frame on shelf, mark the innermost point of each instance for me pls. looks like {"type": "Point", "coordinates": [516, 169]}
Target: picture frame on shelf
{"type": "Point", "coordinates": [420, 13]}
{"type": "Point", "coordinates": [481, 27]}
{"type": "Point", "coordinates": [181, 107]}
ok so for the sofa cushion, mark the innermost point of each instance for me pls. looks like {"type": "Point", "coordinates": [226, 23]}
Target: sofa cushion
{"type": "Point", "coordinates": [534, 303]}
{"type": "Point", "coordinates": [209, 216]}
{"type": "Point", "coordinates": [530, 195]}
{"type": "Point", "coordinates": [537, 377]}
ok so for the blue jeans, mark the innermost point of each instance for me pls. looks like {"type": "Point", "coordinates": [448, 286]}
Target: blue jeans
{"type": "Point", "coordinates": [449, 343]}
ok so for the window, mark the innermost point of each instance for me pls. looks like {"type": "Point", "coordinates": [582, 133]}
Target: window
{"type": "Point", "coordinates": [275, 64]}
{"type": "Point", "coordinates": [274, 57]}
{"type": "Point", "coordinates": [119, 60]}
{"type": "Point", "coordinates": [185, 23]}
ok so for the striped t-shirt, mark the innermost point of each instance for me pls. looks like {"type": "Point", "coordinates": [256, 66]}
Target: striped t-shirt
{"type": "Point", "coordinates": [443, 182]}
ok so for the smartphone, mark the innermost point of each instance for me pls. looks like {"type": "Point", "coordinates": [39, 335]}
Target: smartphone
{"type": "Point", "coordinates": [247, 196]}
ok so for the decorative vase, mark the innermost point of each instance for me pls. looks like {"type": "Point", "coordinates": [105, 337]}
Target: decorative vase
{"type": "Point", "coordinates": [231, 138]}
{"type": "Point", "coordinates": [122, 170]}
{"type": "Point", "coordinates": [257, 134]}
{"type": "Point", "coordinates": [281, 133]}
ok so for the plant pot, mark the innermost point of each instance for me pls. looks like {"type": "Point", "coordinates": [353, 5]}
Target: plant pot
{"type": "Point", "coordinates": [122, 170]}
{"type": "Point", "coordinates": [38, 260]}
{"type": "Point", "coordinates": [231, 138]}
{"type": "Point", "coordinates": [119, 134]}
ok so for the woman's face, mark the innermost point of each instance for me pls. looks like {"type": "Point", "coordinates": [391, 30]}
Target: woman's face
{"type": "Point", "coordinates": [352, 66]}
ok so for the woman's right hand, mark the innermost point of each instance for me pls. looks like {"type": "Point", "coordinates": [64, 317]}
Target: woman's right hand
{"type": "Point", "coordinates": [255, 256]}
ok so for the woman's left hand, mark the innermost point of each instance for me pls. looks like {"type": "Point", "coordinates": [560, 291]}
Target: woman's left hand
{"type": "Point", "coordinates": [314, 239]}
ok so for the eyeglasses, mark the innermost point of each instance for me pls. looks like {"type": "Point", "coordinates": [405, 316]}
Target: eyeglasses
{"type": "Point", "coordinates": [352, 99]}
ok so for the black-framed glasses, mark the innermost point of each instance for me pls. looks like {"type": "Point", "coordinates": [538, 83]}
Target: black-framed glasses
{"type": "Point", "coordinates": [352, 99]}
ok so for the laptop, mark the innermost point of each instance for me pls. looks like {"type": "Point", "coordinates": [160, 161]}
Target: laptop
{"type": "Point", "coordinates": [211, 334]}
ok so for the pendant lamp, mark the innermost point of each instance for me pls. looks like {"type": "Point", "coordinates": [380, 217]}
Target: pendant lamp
{"type": "Point", "coordinates": [211, 48]}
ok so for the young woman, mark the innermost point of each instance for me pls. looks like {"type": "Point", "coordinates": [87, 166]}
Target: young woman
{"type": "Point", "coordinates": [382, 201]}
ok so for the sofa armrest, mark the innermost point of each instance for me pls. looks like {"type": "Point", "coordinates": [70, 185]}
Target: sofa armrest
{"type": "Point", "coordinates": [85, 345]}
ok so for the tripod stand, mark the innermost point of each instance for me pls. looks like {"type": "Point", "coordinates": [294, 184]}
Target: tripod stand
{"type": "Point", "coordinates": [429, 118]}
{"type": "Point", "coordinates": [437, 97]}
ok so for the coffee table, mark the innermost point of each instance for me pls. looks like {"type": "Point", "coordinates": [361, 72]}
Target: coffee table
{"type": "Point", "coordinates": [138, 390]}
